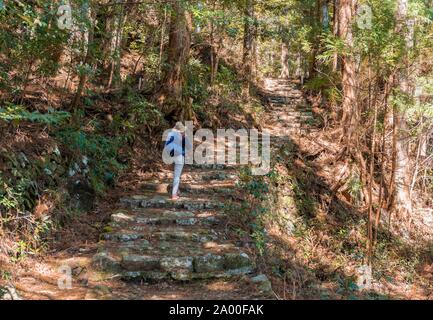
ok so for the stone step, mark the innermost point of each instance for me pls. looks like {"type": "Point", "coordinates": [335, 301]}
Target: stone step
{"type": "Point", "coordinates": [201, 188]}
{"type": "Point", "coordinates": [284, 97]}
{"type": "Point", "coordinates": [194, 176]}
{"type": "Point", "coordinates": [188, 203]}
{"type": "Point", "coordinates": [284, 91]}
{"type": "Point", "coordinates": [287, 114]}
{"type": "Point", "coordinates": [165, 217]}
{"type": "Point", "coordinates": [163, 233]}
{"type": "Point", "coordinates": [280, 100]}
{"type": "Point", "coordinates": [164, 247]}
{"type": "Point", "coordinates": [219, 176]}
{"type": "Point", "coordinates": [293, 118]}
{"type": "Point", "coordinates": [290, 124]}
{"type": "Point", "coordinates": [214, 166]}
{"type": "Point", "coordinates": [179, 263]}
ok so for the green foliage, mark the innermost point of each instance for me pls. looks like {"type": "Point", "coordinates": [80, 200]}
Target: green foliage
{"type": "Point", "coordinates": [15, 114]}
{"type": "Point", "coordinates": [97, 153]}
{"type": "Point", "coordinates": [347, 286]}
{"type": "Point", "coordinates": [197, 75]}
{"type": "Point", "coordinates": [304, 202]}
{"type": "Point", "coordinates": [257, 189]}
{"type": "Point", "coordinates": [355, 188]}
{"type": "Point", "coordinates": [5, 276]}
{"type": "Point", "coordinates": [332, 45]}
{"type": "Point", "coordinates": [318, 83]}
{"type": "Point", "coordinates": [18, 189]}
{"type": "Point", "coordinates": [140, 113]}
{"type": "Point", "coordinates": [227, 82]}
{"type": "Point", "coordinates": [37, 44]}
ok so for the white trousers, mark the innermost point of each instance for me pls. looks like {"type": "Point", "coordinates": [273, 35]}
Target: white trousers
{"type": "Point", "coordinates": [179, 162]}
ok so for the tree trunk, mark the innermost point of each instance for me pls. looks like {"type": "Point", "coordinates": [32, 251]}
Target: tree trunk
{"type": "Point", "coordinates": [350, 116]}
{"type": "Point", "coordinates": [248, 51]}
{"type": "Point", "coordinates": [26, 82]}
{"type": "Point", "coordinates": [116, 48]}
{"type": "Point", "coordinates": [170, 95]}
{"type": "Point", "coordinates": [315, 47]}
{"type": "Point", "coordinates": [213, 53]}
{"type": "Point", "coordinates": [161, 44]}
{"type": "Point", "coordinates": [325, 15]}
{"type": "Point", "coordinates": [336, 32]}
{"type": "Point", "coordinates": [285, 72]}
{"type": "Point", "coordinates": [87, 63]}
{"type": "Point", "coordinates": [299, 68]}
{"type": "Point", "coordinates": [401, 181]}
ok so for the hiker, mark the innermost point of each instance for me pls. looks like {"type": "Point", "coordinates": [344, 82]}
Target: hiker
{"type": "Point", "coordinates": [177, 144]}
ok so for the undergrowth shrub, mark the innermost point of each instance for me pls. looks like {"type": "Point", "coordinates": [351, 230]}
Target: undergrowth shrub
{"type": "Point", "coordinates": [140, 112]}
{"type": "Point", "coordinates": [197, 81]}
{"type": "Point", "coordinates": [34, 172]}
{"type": "Point", "coordinates": [93, 154]}
{"type": "Point", "coordinates": [227, 82]}
{"type": "Point", "coordinates": [22, 178]}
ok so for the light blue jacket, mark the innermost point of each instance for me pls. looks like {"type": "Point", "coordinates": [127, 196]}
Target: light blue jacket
{"type": "Point", "coordinates": [176, 145]}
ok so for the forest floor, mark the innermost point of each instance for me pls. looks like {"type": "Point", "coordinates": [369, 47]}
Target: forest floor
{"type": "Point", "coordinates": [75, 248]}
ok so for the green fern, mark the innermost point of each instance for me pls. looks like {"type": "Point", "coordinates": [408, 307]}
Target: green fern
{"type": "Point", "coordinates": [14, 113]}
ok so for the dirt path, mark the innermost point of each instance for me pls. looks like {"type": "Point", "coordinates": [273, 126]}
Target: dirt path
{"type": "Point", "coordinates": [155, 248]}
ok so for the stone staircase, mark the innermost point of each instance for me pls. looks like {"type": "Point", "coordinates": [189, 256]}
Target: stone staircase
{"type": "Point", "coordinates": [152, 238]}
{"type": "Point", "coordinates": [290, 114]}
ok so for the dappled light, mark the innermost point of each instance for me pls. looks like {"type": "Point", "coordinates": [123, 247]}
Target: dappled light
{"type": "Point", "coordinates": [216, 150]}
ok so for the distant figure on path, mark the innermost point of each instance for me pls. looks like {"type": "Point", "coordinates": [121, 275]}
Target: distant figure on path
{"type": "Point", "coordinates": [177, 145]}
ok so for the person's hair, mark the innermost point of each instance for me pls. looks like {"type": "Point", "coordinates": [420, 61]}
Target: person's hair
{"type": "Point", "coordinates": [179, 126]}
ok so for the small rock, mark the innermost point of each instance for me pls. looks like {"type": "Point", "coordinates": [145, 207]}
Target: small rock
{"type": "Point", "coordinates": [260, 278]}
{"type": "Point", "coordinates": [263, 283]}
{"type": "Point", "coordinates": [82, 195]}
{"type": "Point", "coordinates": [159, 200]}
{"type": "Point", "coordinates": [56, 151]}
{"type": "Point", "coordinates": [121, 217]}
{"type": "Point", "coordinates": [290, 228]}
{"type": "Point", "coordinates": [104, 261]}
{"type": "Point", "coordinates": [23, 159]}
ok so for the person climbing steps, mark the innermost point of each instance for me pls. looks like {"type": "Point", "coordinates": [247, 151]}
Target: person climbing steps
{"type": "Point", "coordinates": [176, 145]}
